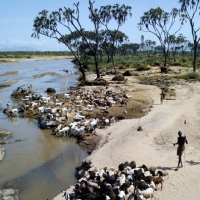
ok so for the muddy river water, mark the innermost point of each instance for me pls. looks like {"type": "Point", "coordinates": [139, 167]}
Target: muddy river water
{"type": "Point", "coordinates": [40, 165]}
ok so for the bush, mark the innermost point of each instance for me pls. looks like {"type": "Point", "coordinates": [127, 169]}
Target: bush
{"type": "Point", "coordinates": [148, 67]}
{"type": "Point", "coordinates": [190, 75]}
{"type": "Point", "coordinates": [140, 67]}
{"type": "Point", "coordinates": [156, 63]}
{"type": "Point", "coordinates": [118, 78]}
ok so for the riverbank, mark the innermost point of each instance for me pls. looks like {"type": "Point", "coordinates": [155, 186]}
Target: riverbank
{"type": "Point", "coordinates": [35, 58]}
{"type": "Point", "coordinates": [154, 144]}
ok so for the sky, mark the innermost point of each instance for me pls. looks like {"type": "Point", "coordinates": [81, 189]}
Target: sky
{"type": "Point", "coordinates": [17, 17]}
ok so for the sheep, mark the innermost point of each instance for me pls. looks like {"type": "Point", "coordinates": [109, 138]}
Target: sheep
{"type": "Point", "coordinates": [148, 193]}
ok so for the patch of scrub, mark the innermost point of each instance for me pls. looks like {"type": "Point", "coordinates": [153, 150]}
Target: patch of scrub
{"type": "Point", "coordinates": [9, 73]}
{"type": "Point", "coordinates": [44, 74]}
{"type": "Point", "coordinates": [8, 83]}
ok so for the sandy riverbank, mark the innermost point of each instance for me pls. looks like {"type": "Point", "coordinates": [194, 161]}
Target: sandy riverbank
{"type": "Point", "coordinates": [36, 58]}
{"type": "Point", "coordinates": [154, 145]}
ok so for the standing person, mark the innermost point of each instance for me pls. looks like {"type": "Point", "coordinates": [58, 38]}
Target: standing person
{"type": "Point", "coordinates": [162, 96]}
{"type": "Point", "coordinates": [181, 147]}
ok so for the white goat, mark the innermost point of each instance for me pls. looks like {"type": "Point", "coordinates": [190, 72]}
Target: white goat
{"type": "Point", "coordinates": [63, 131]}
{"type": "Point", "coordinates": [41, 109]}
{"type": "Point", "coordinates": [102, 108]}
{"type": "Point", "coordinates": [78, 117]}
{"type": "Point", "coordinates": [148, 193]}
{"type": "Point", "coordinates": [67, 96]}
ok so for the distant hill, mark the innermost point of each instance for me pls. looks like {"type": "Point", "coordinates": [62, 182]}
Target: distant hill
{"type": "Point", "coordinates": [18, 48]}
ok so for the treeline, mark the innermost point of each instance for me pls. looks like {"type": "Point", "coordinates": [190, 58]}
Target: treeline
{"type": "Point", "coordinates": [106, 38]}
{"type": "Point", "coordinates": [32, 54]}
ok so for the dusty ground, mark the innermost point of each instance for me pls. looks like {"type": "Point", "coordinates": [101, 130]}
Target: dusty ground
{"type": "Point", "coordinates": [154, 145]}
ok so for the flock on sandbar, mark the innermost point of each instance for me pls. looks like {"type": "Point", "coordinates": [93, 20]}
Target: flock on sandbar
{"type": "Point", "coordinates": [64, 113]}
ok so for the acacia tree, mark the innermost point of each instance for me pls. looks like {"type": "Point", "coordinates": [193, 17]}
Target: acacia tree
{"type": "Point", "coordinates": [177, 43]}
{"type": "Point", "coordinates": [113, 37]}
{"type": "Point", "coordinates": [160, 23]}
{"type": "Point", "coordinates": [189, 8]}
{"type": "Point", "coordinates": [110, 44]}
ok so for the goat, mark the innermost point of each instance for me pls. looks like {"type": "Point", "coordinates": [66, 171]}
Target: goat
{"type": "Point", "coordinates": [59, 103]}
{"type": "Point", "coordinates": [64, 194]}
{"type": "Point", "coordinates": [67, 96]}
{"type": "Point", "coordinates": [41, 109]}
{"type": "Point", "coordinates": [148, 193]}
{"type": "Point", "coordinates": [122, 101]}
{"type": "Point", "coordinates": [102, 108]}
{"type": "Point", "coordinates": [127, 96]}
{"type": "Point", "coordinates": [64, 131]}
{"type": "Point", "coordinates": [124, 113]}
{"type": "Point", "coordinates": [158, 180]}
{"type": "Point", "coordinates": [78, 117]}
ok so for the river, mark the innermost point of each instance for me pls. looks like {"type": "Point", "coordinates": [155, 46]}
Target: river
{"type": "Point", "coordinates": [41, 165]}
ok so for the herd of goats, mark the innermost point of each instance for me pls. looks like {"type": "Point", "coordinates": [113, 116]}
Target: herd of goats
{"type": "Point", "coordinates": [55, 112]}
{"type": "Point", "coordinates": [64, 115]}
{"type": "Point", "coordinates": [124, 183]}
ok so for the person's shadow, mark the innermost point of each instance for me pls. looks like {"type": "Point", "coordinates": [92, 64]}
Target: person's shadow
{"type": "Point", "coordinates": [167, 168]}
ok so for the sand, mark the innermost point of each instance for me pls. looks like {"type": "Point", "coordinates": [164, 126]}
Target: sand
{"type": "Point", "coordinates": [154, 145]}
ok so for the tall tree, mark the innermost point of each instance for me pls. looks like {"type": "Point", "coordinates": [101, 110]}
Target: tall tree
{"type": "Point", "coordinates": [190, 8]}
{"type": "Point", "coordinates": [160, 23]}
{"type": "Point", "coordinates": [110, 44]}
{"type": "Point", "coordinates": [118, 14]}
{"type": "Point", "coordinates": [177, 44]}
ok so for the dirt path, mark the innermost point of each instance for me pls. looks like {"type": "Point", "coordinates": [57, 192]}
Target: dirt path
{"type": "Point", "coordinates": [154, 145]}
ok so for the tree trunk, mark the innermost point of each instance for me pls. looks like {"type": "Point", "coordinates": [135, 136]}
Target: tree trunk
{"type": "Point", "coordinates": [195, 56]}
{"type": "Point", "coordinates": [108, 58]}
{"type": "Point", "coordinates": [114, 65]}
{"type": "Point", "coordinates": [97, 67]}
{"type": "Point", "coordinates": [81, 69]}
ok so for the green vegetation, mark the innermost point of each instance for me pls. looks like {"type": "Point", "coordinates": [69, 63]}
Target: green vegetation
{"type": "Point", "coordinates": [32, 54]}
{"type": "Point", "coordinates": [143, 61]}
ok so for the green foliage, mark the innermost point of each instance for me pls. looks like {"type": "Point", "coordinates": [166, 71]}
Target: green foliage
{"type": "Point", "coordinates": [190, 75]}
{"type": "Point", "coordinates": [148, 67]}
{"type": "Point", "coordinates": [30, 54]}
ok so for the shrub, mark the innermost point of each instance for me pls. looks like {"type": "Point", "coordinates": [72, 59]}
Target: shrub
{"type": "Point", "coordinates": [148, 67]}
{"type": "Point", "coordinates": [140, 67]}
{"type": "Point", "coordinates": [190, 75]}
